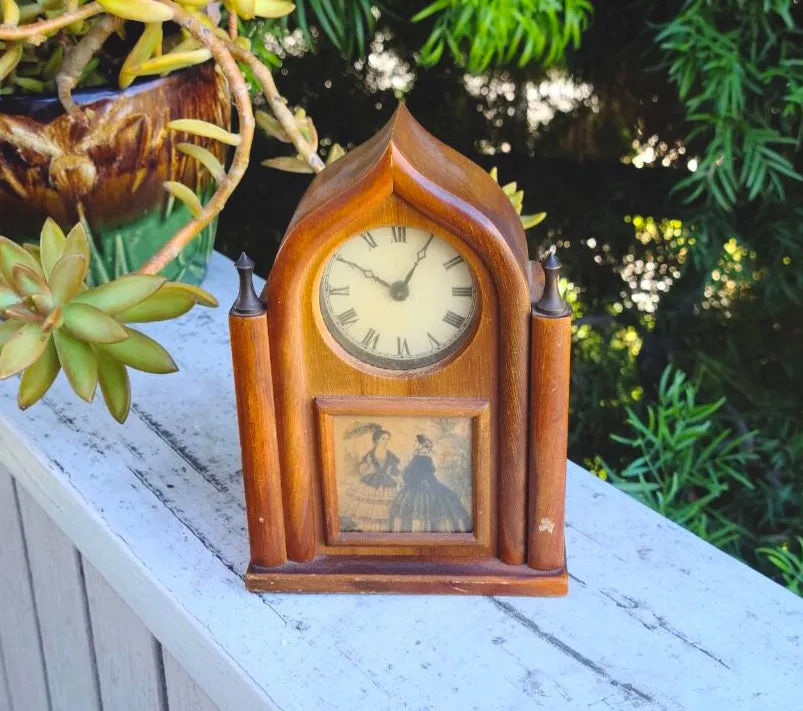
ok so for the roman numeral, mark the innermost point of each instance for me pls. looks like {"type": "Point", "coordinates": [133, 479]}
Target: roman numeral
{"type": "Point", "coordinates": [370, 339]}
{"type": "Point", "coordinates": [462, 291]}
{"type": "Point", "coordinates": [401, 347]}
{"type": "Point", "coordinates": [369, 239]}
{"type": "Point", "coordinates": [399, 234]}
{"type": "Point", "coordinates": [434, 341]}
{"type": "Point", "coordinates": [453, 262]}
{"type": "Point", "coordinates": [337, 290]}
{"type": "Point", "coordinates": [347, 317]}
{"type": "Point", "coordinates": [454, 319]}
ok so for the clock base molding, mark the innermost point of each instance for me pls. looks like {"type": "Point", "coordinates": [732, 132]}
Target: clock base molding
{"type": "Point", "coordinates": [336, 574]}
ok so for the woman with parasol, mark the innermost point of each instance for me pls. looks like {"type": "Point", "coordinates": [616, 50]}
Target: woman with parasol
{"type": "Point", "coordinates": [370, 496]}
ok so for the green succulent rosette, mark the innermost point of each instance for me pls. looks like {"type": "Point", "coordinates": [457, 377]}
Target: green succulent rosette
{"type": "Point", "coordinates": [50, 321]}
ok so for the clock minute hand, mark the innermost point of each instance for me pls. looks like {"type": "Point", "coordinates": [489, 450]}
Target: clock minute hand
{"type": "Point", "coordinates": [419, 257]}
{"type": "Point", "coordinates": [367, 272]}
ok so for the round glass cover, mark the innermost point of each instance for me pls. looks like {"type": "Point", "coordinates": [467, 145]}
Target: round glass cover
{"type": "Point", "coordinates": [398, 297]}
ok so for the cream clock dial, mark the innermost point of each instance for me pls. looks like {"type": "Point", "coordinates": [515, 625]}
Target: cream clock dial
{"type": "Point", "coordinates": [398, 297]}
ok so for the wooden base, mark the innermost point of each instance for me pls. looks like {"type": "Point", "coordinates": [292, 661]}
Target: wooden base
{"type": "Point", "coordinates": [336, 574]}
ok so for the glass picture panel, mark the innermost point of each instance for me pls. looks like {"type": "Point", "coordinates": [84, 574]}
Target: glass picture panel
{"type": "Point", "coordinates": [404, 474]}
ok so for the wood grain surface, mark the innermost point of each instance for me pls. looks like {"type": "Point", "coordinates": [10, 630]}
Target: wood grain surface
{"type": "Point", "coordinates": [253, 384]}
{"type": "Point", "coordinates": [549, 440]}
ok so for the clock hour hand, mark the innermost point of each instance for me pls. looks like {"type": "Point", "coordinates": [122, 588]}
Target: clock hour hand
{"type": "Point", "coordinates": [367, 272]}
{"type": "Point", "coordinates": [419, 257]}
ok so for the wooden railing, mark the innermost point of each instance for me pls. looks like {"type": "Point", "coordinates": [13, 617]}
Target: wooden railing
{"type": "Point", "coordinates": [122, 551]}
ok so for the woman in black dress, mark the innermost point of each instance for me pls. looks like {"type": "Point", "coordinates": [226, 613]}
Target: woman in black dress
{"type": "Point", "coordinates": [423, 504]}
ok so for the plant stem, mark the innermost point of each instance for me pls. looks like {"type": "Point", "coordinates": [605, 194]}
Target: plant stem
{"type": "Point", "coordinates": [224, 52]}
{"type": "Point", "coordinates": [80, 56]}
{"type": "Point", "coordinates": [242, 101]}
{"type": "Point", "coordinates": [279, 106]}
{"type": "Point", "coordinates": [35, 32]}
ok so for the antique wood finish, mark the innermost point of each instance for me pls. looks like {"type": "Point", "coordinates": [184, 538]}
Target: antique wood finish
{"type": "Point", "coordinates": [378, 184]}
{"type": "Point", "coordinates": [254, 389]}
{"type": "Point", "coordinates": [549, 435]}
{"type": "Point", "coordinates": [335, 574]}
{"type": "Point", "coordinates": [309, 363]}
{"type": "Point", "coordinates": [476, 544]}
{"type": "Point", "coordinates": [403, 176]}
{"type": "Point", "coordinates": [536, 275]}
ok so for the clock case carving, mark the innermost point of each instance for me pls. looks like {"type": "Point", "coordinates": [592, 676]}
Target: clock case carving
{"type": "Point", "coordinates": [511, 377]}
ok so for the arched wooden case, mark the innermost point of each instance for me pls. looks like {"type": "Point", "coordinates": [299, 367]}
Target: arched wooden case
{"type": "Point", "coordinates": [510, 380]}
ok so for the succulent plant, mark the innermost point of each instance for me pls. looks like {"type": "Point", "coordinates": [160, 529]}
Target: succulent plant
{"type": "Point", "coordinates": [54, 44]}
{"type": "Point", "coordinates": [51, 321]}
{"type": "Point", "coordinates": [516, 197]}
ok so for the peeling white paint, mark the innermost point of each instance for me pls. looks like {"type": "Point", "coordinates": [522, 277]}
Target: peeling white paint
{"type": "Point", "coordinates": [546, 524]}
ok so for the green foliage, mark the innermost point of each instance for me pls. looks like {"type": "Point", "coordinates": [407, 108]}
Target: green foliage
{"type": "Point", "coordinates": [260, 34]}
{"type": "Point", "coordinates": [739, 75]}
{"type": "Point", "coordinates": [39, 66]}
{"type": "Point", "coordinates": [789, 564]}
{"type": "Point", "coordinates": [685, 462]}
{"type": "Point", "coordinates": [479, 33]}
{"type": "Point", "coordinates": [604, 383]}
{"type": "Point", "coordinates": [347, 24]}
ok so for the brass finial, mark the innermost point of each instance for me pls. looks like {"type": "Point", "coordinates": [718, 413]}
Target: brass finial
{"type": "Point", "coordinates": [247, 302]}
{"type": "Point", "coordinates": [551, 302]}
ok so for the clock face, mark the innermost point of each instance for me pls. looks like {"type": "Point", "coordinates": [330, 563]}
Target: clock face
{"type": "Point", "coordinates": [398, 297]}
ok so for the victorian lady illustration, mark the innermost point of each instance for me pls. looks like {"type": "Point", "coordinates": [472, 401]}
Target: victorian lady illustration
{"type": "Point", "coordinates": [379, 468]}
{"type": "Point", "coordinates": [424, 504]}
{"type": "Point", "coordinates": [374, 489]}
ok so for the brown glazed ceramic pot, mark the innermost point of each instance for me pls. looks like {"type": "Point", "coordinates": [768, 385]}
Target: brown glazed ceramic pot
{"type": "Point", "coordinates": [111, 161]}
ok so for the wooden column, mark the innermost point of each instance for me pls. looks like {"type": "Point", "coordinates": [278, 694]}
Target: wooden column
{"type": "Point", "coordinates": [253, 383]}
{"type": "Point", "coordinates": [512, 475]}
{"type": "Point", "coordinates": [549, 425]}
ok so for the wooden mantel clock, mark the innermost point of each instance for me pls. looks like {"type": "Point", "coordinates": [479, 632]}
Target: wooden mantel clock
{"type": "Point", "coordinates": [402, 385]}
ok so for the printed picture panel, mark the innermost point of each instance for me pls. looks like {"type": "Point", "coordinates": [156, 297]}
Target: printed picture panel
{"type": "Point", "coordinates": [399, 474]}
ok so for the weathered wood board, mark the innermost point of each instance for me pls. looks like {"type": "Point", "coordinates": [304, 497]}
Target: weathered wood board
{"type": "Point", "coordinates": [5, 692]}
{"type": "Point", "coordinates": [19, 627]}
{"type": "Point", "coordinates": [129, 659]}
{"type": "Point", "coordinates": [182, 692]}
{"type": "Point", "coordinates": [655, 618]}
{"type": "Point", "coordinates": [61, 608]}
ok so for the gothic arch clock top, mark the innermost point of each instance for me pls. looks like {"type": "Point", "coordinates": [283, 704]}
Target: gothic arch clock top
{"type": "Point", "coordinates": [402, 385]}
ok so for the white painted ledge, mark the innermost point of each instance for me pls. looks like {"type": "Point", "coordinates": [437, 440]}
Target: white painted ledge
{"type": "Point", "coordinates": [655, 618]}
